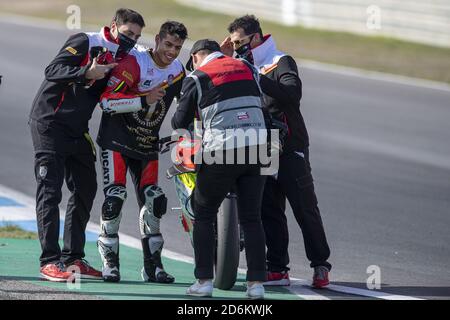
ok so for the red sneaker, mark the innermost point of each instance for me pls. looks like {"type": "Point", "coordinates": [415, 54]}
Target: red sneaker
{"type": "Point", "coordinates": [320, 278]}
{"type": "Point", "coordinates": [277, 279]}
{"type": "Point", "coordinates": [54, 272]}
{"type": "Point", "coordinates": [86, 271]}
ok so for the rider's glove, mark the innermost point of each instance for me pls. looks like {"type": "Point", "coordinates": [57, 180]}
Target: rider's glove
{"type": "Point", "coordinates": [121, 103]}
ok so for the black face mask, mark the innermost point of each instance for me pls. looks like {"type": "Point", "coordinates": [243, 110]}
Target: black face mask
{"type": "Point", "coordinates": [125, 44]}
{"type": "Point", "coordinates": [245, 52]}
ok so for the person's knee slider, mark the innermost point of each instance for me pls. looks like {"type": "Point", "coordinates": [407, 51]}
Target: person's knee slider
{"type": "Point", "coordinates": [155, 200]}
{"type": "Point", "coordinates": [115, 196]}
{"type": "Point", "coordinates": [154, 208]}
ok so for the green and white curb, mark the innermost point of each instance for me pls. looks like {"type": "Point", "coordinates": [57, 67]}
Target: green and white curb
{"type": "Point", "coordinates": [19, 260]}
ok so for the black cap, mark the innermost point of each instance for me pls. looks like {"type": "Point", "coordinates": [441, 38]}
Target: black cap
{"type": "Point", "coordinates": [203, 44]}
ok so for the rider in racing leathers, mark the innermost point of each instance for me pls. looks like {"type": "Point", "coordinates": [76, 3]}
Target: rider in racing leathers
{"type": "Point", "coordinates": [138, 96]}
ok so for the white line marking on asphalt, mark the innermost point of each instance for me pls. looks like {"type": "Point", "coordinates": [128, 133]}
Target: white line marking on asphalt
{"type": "Point", "coordinates": [36, 22]}
{"type": "Point", "coordinates": [369, 293]}
{"type": "Point", "coordinates": [302, 290]}
{"type": "Point", "coordinates": [298, 287]}
{"type": "Point", "coordinates": [359, 292]}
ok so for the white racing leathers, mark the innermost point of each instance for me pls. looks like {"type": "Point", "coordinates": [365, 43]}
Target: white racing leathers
{"type": "Point", "coordinates": [128, 136]}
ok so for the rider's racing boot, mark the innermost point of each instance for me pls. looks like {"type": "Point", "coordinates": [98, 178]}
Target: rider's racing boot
{"type": "Point", "coordinates": [153, 270]}
{"type": "Point", "coordinates": [108, 248]}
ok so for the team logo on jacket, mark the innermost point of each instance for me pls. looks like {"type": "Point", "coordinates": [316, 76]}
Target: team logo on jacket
{"type": "Point", "coordinates": [147, 83]}
{"type": "Point", "coordinates": [127, 75]}
{"type": "Point", "coordinates": [113, 81]}
{"type": "Point", "coordinates": [243, 116]}
{"type": "Point", "coordinates": [72, 50]}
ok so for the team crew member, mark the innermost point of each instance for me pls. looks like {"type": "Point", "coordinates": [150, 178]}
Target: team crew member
{"type": "Point", "coordinates": [223, 93]}
{"type": "Point", "coordinates": [139, 94]}
{"type": "Point", "coordinates": [63, 149]}
{"type": "Point", "coordinates": [282, 89]}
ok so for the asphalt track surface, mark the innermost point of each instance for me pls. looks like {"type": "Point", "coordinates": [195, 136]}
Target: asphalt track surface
{"type": "Point", "coordinates": [380, 154]}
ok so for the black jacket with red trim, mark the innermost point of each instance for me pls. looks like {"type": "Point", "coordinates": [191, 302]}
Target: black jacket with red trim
{"type": "Point", "coordinates": [282, 88]}
{"type": "Point", "coordinates": [65, 99]}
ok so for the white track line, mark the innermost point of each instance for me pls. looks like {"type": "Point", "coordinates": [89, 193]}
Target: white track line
{"type": "Point", "coordinates": [303, 290]}
{"type": "Point", "coordinates": [29, 202]}
{"type": "Point", "coordinates": [50, 24]}
{"type": "Point", "coordinates": [359, 292]}
{"type": "Point", "coordinates": [298, 287]}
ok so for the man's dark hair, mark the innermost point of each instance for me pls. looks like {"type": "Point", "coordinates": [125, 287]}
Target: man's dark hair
{"type": "Point", "coordinates": [124, 16]}
{"type": "Point", "coordinates": [204, 52]}
{"type": "Point", "coordinates": [248, 23]}
{"type": "Point", "coordinates": [174, 28]}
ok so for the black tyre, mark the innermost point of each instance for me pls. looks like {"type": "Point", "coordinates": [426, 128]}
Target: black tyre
{"type": "Point", "coordinates": [227, 252]}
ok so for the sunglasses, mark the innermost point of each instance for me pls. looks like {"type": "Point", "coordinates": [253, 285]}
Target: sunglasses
{"type": "Point", "coordinates": [240, 42]}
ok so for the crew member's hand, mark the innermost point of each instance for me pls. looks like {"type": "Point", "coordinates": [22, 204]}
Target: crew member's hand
{"type": "Point", "coordinates": [227, 47]}
{"type": "Point", "coordinates": [99, 71]}
{"type": "Point", "coordinates": [155, 95]}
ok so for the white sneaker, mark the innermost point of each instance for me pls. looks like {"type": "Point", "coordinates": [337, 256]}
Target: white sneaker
{"type": "Point", "coordinates": [255, 291]}
{"type": "Point", "coordinates": [198, 289]}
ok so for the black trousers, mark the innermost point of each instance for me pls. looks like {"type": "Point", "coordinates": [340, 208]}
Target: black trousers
{"type": "Point", "coordinates": [58, 158]}
{"type": "Point", "coordinates": [294, 182]}
{"type": "Point", "coordinates": [213, 184]}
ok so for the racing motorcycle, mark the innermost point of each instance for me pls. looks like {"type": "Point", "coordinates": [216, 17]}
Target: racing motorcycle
{"type": "Point", "coordinates": [229, 238]}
